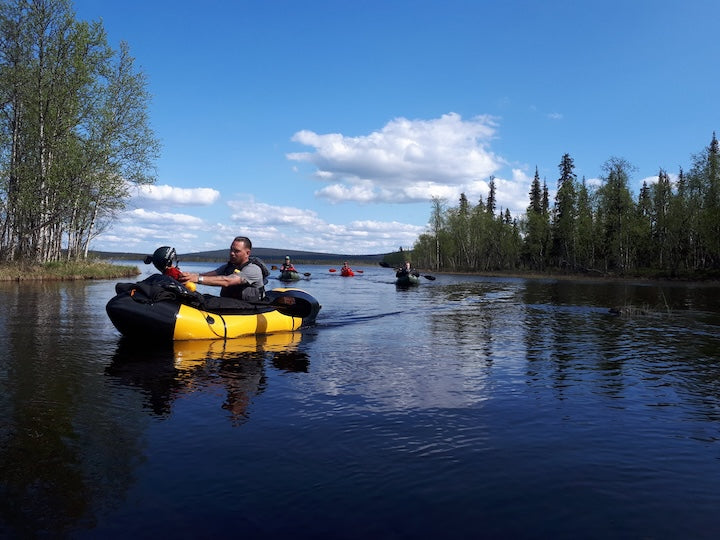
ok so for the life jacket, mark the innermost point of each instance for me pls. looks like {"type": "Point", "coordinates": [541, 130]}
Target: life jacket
{"type": "Point", "coordinates": [263, 268]}
{"type": "Point", "coordinates": [247, 292]}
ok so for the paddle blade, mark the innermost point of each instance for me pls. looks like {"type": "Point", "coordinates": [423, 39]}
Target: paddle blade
{"type": "Point", "coordinates": [359, 271]}
{"type": "Point", "coordinates": [333, 270]}
{"type": "Point", "coordinates": [307, 274]}
{"type": "Point", "coordinates": [431, 278]}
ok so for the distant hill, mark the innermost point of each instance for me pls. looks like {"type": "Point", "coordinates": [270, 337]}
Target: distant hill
{"type": "Point", "coordinates": [269, 255]}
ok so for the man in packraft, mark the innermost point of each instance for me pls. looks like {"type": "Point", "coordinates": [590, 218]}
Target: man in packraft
{"type": "Point", "coordinates": [242, 277]}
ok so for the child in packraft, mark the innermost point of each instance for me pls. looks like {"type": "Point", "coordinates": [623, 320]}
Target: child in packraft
{"type": "Point", "coordinates": [165, 260]}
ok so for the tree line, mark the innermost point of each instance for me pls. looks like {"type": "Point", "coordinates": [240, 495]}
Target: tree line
{"type": "Point", "coordinates": [74, 131]}
{"type": "Point", "coordinates": [672, 228]}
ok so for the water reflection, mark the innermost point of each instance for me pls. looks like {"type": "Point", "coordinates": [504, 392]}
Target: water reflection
{"type": "Point", "coordinates": [563, 337]}
{"type": "Point", "coordinates": [166, 372]}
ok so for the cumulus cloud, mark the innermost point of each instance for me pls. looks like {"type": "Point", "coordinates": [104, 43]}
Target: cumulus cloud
{"type": "Point", "coordinates": [287, 226]}
{"type": "Point", "coordinates": [164, 218]}
{"type": "Point", "coordinates": [141, 229]}
{"type": "Point", "coordinates": [170, 195]}
{"type": "Point", "coordinates": [268, 225]}
{"type": "Point", "coordinates": [406, 161]}
{"type": "Point", "coordinates": [250, 212]}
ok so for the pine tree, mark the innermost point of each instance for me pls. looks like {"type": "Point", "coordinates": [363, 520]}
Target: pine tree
{"type": "Point", "coordinates": [536, 227]}
{"type": "Point", "coordinates": [490, 204]}
{"type": "Point", "coordinates": [564, 215]}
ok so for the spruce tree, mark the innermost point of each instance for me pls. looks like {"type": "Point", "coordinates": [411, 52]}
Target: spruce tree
{"type": "Point", "coordinates": [564, 215]}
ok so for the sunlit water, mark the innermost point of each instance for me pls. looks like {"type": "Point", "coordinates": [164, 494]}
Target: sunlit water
{"type": "Point", "coordinates": [466, 407]}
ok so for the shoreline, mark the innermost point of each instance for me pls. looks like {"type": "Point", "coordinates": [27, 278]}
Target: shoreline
{"type": "Point", "coordinates": [101, 269]}
{"type": "Point", "coordinates": [65, 271]}
{"type": "Point", "coordinates": [709, 281]}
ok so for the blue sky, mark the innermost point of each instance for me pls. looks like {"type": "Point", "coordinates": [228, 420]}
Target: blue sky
{"type": "Point", "coordinates": [329, 125]}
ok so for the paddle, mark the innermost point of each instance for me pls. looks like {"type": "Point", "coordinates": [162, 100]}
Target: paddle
{"type": "Point", "coordinates": [273, 267]}
{"type": "Point", "coordinates": [426, 276]}
{"type": "Point", "coordinates": [333, 270]}
{"type": "Point", "coordinates": [384, 264]}
{"type": "Point", "coordinates": [307, 274]}
{"type": "Point", "coordinates": [358, 271]}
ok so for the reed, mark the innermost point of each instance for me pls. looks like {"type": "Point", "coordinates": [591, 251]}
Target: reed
{"type": "Point", "coordinates": [65, 270]}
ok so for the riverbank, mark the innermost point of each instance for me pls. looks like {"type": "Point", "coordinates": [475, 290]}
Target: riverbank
{"type": "Point", "coordinates": [65, 271]}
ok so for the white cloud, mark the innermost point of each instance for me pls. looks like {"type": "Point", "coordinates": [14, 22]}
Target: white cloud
{"type": "Point", "coordinates": [164, 194]}
{"type": "Point", "coordinates": [406, 161]}
{"type": "Point", "coordinates": [251, 213]}
{"type": "Point", "coordinates": [290, 227]}
{"type": "Point", "coordinates": [166, 219]}
{"type": "Point", "coordinates": [361, 191]}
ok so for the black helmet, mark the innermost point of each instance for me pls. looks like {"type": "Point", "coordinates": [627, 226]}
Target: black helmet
{"type": "Point", "coordinates": [162, 258]}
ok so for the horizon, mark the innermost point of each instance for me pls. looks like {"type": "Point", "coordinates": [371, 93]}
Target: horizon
{"type": "Point", "coordinates": [266, 252]}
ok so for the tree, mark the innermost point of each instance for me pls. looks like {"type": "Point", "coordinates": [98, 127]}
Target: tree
{"type": "Point", "coordinates": [585, 253]}
{"type": "Point", "coordinates": [73, 130]}
{"type": "Point", "coordinates": [437, 222]}
{"type": "Point", "coordinates": [615, 209]}
{"type": "Point", "coordinates": [704, 200]}
{"type": "Point", "coordinates": [460, 230]}
{"type": "Point", "coordinates": [537, 227]}
{"type": "Point", "coordinates": [661, 197]}
{"type": "Point", "coordinates": [564, 215]}
{"type": "Point", "coordinates": [643, 229]}
{"type": "Point", "coordinates": [490, 204]}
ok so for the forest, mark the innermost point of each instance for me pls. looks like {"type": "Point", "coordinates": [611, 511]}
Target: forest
{"type": "Point", "coordinates": [670, 230]}
{"type": "Point", "coordinates": [74, 131]}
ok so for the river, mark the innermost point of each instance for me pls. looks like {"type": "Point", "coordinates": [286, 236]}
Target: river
{"type": "Point", "coordinates": [466, 407]}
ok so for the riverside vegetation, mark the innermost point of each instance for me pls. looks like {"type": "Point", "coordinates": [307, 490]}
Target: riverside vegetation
{"type": "Point", "coordinates": [72, 270]}
{"type": "Point", "coordinates": [598, 228]}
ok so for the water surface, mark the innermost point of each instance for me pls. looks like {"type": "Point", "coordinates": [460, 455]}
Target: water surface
{"type": "Point", "coordinates": [465, 407]}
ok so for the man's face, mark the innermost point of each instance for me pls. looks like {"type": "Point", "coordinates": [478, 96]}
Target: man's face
{"type": "Point", "coordinates": [239, 253]}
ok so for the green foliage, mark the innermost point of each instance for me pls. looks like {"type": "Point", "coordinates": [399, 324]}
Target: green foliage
{"type": "Point", "coordinates": [73, 131]}
{"type": "Point", "coordinates": [61, 270]}
{"type": "Point", "coordinates": [565, 217]}
{"type": "Point", "coordinates": [671, 231]}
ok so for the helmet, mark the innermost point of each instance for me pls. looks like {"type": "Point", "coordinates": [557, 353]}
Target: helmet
{"type": "Point", "coordinates": [162, 258]}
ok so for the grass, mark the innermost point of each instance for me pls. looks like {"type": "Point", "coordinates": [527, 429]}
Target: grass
{"type": "Point", "coordinates": [64, 271]}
